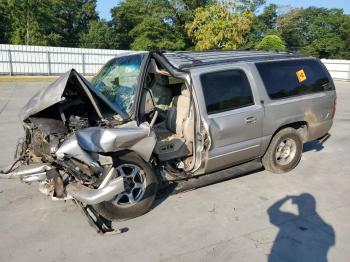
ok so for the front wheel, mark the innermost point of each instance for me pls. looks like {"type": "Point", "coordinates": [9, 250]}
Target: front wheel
{"type": "Point", "coordinates": [140, 189]}
{"type": "Point", "coordinates": [284, 152]}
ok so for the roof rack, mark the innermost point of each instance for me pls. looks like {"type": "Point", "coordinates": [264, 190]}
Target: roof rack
{"type": "Point", "coordinates": [185, 60]}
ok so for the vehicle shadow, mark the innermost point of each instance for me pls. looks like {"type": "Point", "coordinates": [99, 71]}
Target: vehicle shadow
{"type": "Point", "coordinates": [302, 237]}
{"type": "Point", "coordinates": [312, 146]}
{"type": "Point", "coordinates": [171, 189]}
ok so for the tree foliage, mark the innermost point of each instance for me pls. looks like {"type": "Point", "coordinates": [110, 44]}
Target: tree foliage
{"type": "Point", "coordinates": [154, 33]}
{"type": "Point", "coordinates": [271, 43]}
{"type": "Point", "coordinates": [263, 24]}
{"type": "Point", "coordinates": [100, 35]}
{"type": "Point", "coordinates": [220, 26]}
{"type": "Point", "coordinates": [45, 22]}
{"type": "Point", "coordinates": [147, 24]}
{"type": "Point", "coordinates": [34, 22]}
{"type": "Point", "coordinates": [177, 25]}
{"type": "Point", "coordinates": [318, 31]}
{"type": "Point", "coordinates": [75, 16]}
{"type": "Point", "coordinates": [5, 22]}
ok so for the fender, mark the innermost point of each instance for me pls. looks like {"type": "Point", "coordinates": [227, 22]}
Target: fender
{"type": "Point", "coordinates": [140, 139]}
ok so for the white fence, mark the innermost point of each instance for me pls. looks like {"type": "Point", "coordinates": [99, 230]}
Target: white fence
{"type": "Point", "coordinates": [339, 69]}
{"type": "Point", "coordinates": [46, 60]}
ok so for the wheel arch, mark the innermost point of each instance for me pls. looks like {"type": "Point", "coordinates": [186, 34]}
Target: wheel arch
{"type": "Point", "coordinates": [301, 126]}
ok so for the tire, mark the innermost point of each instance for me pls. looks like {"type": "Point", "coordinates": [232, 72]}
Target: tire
{"type": "Point", "coordinates": [116, 209]}
{"type": "Point", "coordinates": [276, 159]}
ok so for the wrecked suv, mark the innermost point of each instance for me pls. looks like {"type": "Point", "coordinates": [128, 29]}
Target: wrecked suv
{"type": "Point", "coordinates": [152, 120]}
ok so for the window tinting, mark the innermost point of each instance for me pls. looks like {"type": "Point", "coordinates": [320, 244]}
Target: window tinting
{"type": "Point", "coordinates": [281, 78]}
{"type": "Point", "coordinates": [226, 90]}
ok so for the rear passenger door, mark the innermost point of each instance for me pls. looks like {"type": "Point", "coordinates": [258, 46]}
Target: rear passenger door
{"type": "Point", "coordinates": [233, 114]}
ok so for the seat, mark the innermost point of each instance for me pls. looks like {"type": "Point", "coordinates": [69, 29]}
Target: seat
{"type": "Point", "coordinates": [175, 134]}
{"type": "Point", "coordinates": [161, 91]}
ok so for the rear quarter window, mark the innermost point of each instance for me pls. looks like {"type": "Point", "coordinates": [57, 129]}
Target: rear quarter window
{"type": "Point", "coordinates": [293, 78]}
{"type": "Point", "coordinates": [226, 90]}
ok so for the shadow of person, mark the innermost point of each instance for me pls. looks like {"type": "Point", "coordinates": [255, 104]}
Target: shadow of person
{"type": "Point", "coordinates": [302, 237]}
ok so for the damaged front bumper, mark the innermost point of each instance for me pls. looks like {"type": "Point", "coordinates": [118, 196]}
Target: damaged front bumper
{"type": "Point", "coordinates": [30, 173]}
{"type": "Point", "coordinates": [95, 196]}
{"type": "Point", "coordinates": [43, 172]}
{"type": "Point", "coordinates": [71, 134]}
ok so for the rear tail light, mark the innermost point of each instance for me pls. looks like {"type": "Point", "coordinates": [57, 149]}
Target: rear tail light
{"type": "Point", "coordinates": [334, 107]}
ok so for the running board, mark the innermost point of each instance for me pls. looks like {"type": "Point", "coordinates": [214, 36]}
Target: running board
{"type": "Point", "coordinates": [219, 176]}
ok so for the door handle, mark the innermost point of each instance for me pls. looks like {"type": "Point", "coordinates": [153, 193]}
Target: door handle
{"type": "Point", "coordinates": [250, 120]}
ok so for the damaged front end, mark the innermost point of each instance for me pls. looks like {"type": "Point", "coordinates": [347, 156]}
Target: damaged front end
{"type": "Point", "coordinates": [71, 133]}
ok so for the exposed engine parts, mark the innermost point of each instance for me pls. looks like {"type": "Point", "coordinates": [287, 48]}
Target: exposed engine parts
{"type": "Point", "coordinates": [83, 142]}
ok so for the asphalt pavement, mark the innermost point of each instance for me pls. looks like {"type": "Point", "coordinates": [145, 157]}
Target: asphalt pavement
{"type": "Point", "coordinates": [300, 216]}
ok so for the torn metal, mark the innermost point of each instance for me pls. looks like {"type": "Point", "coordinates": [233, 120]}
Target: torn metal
{"type": "Point", "coordinates": [54, 93]}
{"type": "Point", "coordinates": [72, 128]}
{"type": "Point", "coordinates": [105, 144]}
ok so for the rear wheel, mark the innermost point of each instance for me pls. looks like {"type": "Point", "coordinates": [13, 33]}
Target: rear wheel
{"type": "Point", "coordinates": [140, 189]}
{"type": "Point", "coordinates": [284, 152]}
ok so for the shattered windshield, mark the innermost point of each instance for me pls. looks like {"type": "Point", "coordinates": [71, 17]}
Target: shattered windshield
{"type": "Point", "coordinates": [117, 81]}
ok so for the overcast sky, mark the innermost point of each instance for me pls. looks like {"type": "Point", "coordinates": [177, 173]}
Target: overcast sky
{"type": "Point", "coordinates": [104, 6]}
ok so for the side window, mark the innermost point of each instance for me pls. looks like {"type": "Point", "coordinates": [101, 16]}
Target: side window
{"type": "Point", "coordinates": [226, 90]}
{"type": "Point", "coordinates": [292, 78]}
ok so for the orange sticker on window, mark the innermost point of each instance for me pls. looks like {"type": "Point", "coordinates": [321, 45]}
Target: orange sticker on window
{"type": "Point", "coordinates": [301, 75]}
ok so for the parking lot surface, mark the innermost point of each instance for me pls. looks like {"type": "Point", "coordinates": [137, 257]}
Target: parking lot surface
{"type": "Point", "coordinates": [299, 216]}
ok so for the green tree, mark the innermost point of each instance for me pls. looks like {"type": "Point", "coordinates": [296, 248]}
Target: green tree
{"type": "Point", "coordinates": [271, 43]}
{"type": "Point", "coordinates": [220, 26]}
{"type": "Point", "coordinates": [126, 16]}
{"type": "Point", "coordinates": [75, 16]}
{"type": "Point", "coordinates": [147, 24]}
{"type": "Point", "coordinates": [250, 5]}
{"type": "Point", "coordinates": [263, 24]}
{"type": "Point", "coordinates": [153, 33]}
{"type": "Point", "coordinates": [50, 22]}
{"type": "Point", "coordinates": [100, 35]}
{"type": "Point", "coordinates": [183, 12]}
{"type": "Point", "coordinates": [345, 35]}
{"type": "Point", "coordinates": [330, 46]}
{"type": "Point", "coordinates": [291, 28]}
{"type": "Point", "coordinates": [34, 22]}
{"type": "Point", "coordinates": [317, 31]}
{"type": "Point", "coordinates": [5, 22]}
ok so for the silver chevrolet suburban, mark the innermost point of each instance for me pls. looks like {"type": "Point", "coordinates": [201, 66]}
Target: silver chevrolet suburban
{"type": "Point", "coordinates": [150, 121]}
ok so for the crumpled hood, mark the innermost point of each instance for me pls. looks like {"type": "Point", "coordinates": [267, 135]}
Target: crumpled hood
{"type": "Point", "coordinates": [52, 94]}
{"type": "Point", "coordinates": [46, 97]}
